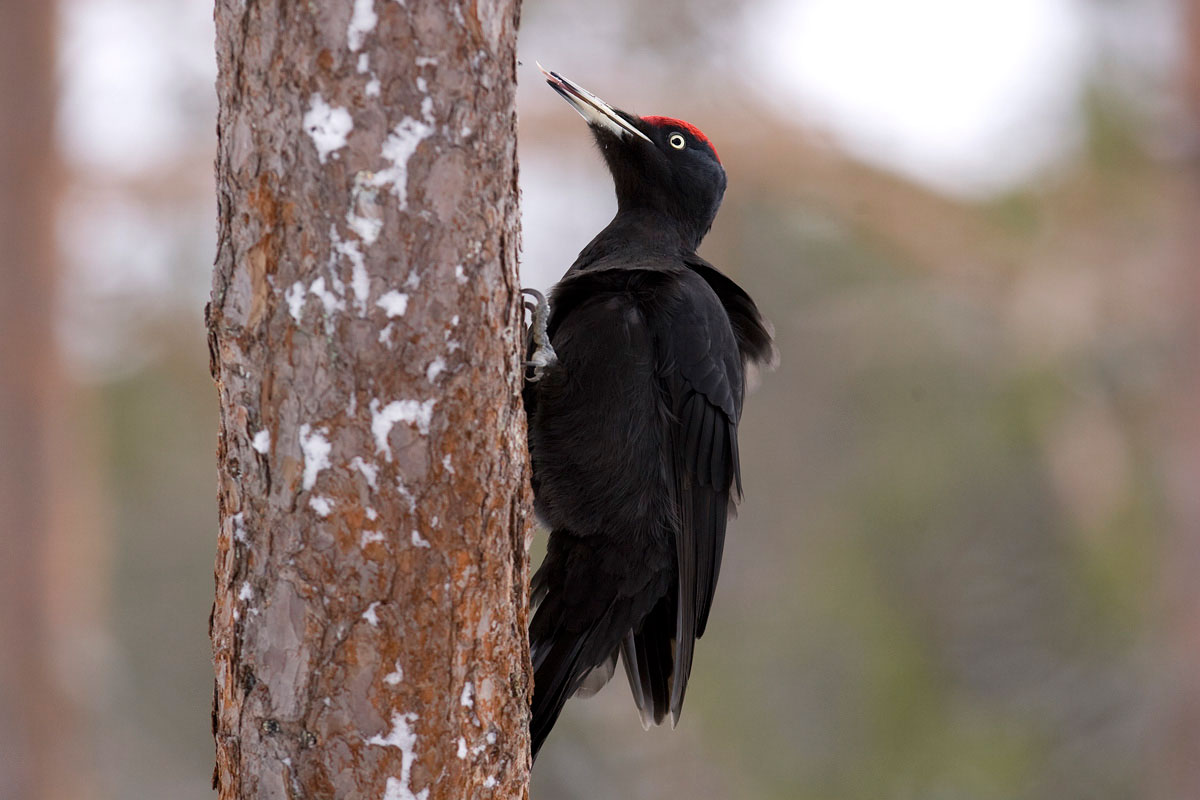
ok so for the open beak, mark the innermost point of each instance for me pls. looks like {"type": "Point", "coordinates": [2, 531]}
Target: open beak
{"type": "Point", "coordinates": [594, 110]}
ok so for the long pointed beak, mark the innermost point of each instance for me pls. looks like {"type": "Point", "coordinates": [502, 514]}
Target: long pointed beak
{"type": "Point", "coordinates": [594, 110]}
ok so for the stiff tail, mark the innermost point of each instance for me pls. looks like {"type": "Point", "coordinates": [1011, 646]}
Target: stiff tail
{"type": "Point", "coordinates": [649, 661]}
{"type": "Point", "coordinates": [567, 650]}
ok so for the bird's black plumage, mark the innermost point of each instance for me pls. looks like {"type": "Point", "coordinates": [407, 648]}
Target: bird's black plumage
{"type": "Point", "coordinates": [633, 429]}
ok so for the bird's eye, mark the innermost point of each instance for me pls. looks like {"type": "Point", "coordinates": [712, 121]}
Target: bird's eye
{"type": "Point", "coordinates": [677, 141]}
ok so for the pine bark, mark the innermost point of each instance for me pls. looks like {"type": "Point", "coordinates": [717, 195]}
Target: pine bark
{"type": "Point", "coordinates": [369, 628]}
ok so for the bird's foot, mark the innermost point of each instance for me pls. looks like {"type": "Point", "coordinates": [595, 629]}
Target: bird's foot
{"type": "Point", "coordinates": [543, 355]}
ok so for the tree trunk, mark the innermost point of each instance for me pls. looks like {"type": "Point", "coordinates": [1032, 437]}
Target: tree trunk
{"type": "Point", "coordinates": [50, 544]}
{"type": "Point", "coordinates": [369, 629]}
{"type": "Point", "coordinates": [1177, 766]}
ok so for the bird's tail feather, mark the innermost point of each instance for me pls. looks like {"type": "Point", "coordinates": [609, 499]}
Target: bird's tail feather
{"type": "Point", "coordinates": [562, 662]}
{"type": "Point", "coordinates": [648, 656]}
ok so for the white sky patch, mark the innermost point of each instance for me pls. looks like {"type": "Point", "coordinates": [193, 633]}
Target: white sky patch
{"type": "Point", "coordinates": [246, 593]}
{"type": "Point", "coordinates": [370, 537]}
{"type": "Point", "coordinates": [329, 300]}
{"type": "Point", "coordinates": [414, 412]}
{"type": "Point", "coordinates": [328, 126]}
{"type": "Point", "coordinates": [321, 505]}
{"type": "Point", "coordinates": [262, 441]}
{"type": "Point", "coordinates": [435, 368]}
{"type": "Point", "coordinates": [295, 300]}
{"type": "Point", "coordinates": [393, 303]}
{"type": "Point", "coordinates": [370, 472]}
{"type": "Point", "coordinates": [393, 678]}
{"type": "Point", "coordinates": [403, 737]}
{"type": "Point", "coordinates": [369, 615]}
{"type": "Point", "coordinates": [968, 97]}
{"type": "Point", "coordinates": [316, 453]}
{"type": "Point", "coordinates": [418, 540]}
{"type": "Point", "coordinates": [468, 695]}
{"type": "Point", "coordinates": [362, 22]}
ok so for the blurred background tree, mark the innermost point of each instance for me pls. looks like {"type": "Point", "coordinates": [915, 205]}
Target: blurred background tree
{"type": "Point", "coordinates": [965, 566]}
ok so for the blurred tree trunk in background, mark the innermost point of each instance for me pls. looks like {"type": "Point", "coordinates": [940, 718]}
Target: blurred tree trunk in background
{"type": "Point", "coordinates": [1179, 759]}
{"type": "Point", "coordinates": [50, 609]}
{"type": "Point", "coordinates": [370, 618]}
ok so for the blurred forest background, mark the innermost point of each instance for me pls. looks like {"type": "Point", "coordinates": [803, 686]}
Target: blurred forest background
{"type": "Point", "coordinates": [968, 562]}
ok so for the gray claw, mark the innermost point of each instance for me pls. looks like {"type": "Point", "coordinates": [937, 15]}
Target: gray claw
{"type": "Point", "coordinates": [543, 355]}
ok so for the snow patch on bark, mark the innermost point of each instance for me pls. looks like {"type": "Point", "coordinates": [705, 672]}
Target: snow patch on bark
{"type": "Point", "coordinates": [321, 505]}
{"type": "Point", "coordinates": [239, 527]}
{"type": "Point", "coordinates": [413, 412]}
{"type": "Point", "coordinates": [393, 678]}
{"type": "Point", "coordinates": [327, 126]}
{"type": "Point", "coordinates": [295, 300]}
{"type": "Point", "coordinates": [400, 146]}
{"type": "Point", "coordinates": [329, 300]}
{"type": "Point", "coordinates": [262, 441]}
{"type": "Point", "coordinates": [362, 22]}
{"type": "Point", "coordinates": [393, 303]}
{"type": "Point", "coordinates": [370, 472]}
{"type": "Point", "coordinates": [369, 615]}
{"type": "Point", "coordinates": [403, 737]}
{"type": "Point", "coordinates": [435, 368]}
{"type": "Point", "coordinates": [316, 453]}
{"type": "Point", "coordinates": [468, 695]}
{"type": "Point", "coordinates": [369, 537]}
{"type": "Point", "coordinates": [418, 541]}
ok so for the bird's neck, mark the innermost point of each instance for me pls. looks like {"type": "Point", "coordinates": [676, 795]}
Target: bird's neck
{"type": "Point", "coordinates": [639, 233]}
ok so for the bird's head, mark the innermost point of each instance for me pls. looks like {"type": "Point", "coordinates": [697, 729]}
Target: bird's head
{"type": "Point", "coordinates": [659, 164]}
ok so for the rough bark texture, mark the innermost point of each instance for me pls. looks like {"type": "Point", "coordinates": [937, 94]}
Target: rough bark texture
{"type": "Point", "coordinates": [370, 619]}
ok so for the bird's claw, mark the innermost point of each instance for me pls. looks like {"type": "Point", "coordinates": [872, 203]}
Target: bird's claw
{"type": "Point", "coordinates": [543, 355]}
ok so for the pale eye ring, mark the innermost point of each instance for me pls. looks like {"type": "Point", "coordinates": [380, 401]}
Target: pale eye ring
{"type": "Point", "coordinates": [677, 141]}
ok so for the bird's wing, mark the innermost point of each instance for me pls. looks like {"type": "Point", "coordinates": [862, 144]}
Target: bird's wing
{"type": "Point", "coordinates": [752, 331]}
{"type": "Point", "coordinates": [703, 376]}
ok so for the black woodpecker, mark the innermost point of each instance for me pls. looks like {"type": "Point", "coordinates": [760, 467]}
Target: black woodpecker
{"type": "Point", "coordinates": [633, 398]}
